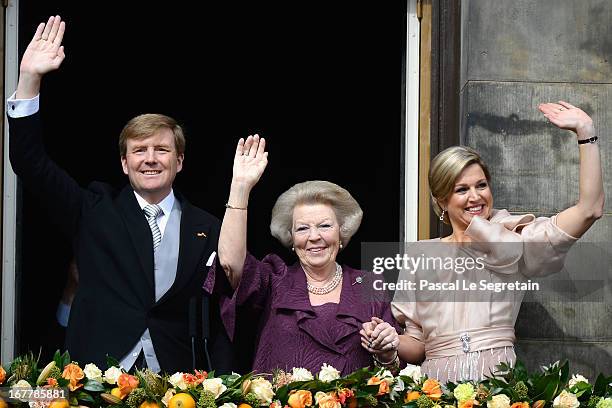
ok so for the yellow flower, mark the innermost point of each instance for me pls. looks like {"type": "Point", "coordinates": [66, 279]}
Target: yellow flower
{"type": "Point", "coordinates": [300, 399]}
{"type": "Point", "coordinates": [73, 373]}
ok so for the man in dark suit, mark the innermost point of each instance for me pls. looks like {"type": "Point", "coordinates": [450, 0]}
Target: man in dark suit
{"type": "Point", "coordinates": [143, 253]}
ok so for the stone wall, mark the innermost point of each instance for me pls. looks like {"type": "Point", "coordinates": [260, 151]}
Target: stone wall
{"type": "Point", "coordinates": [515, 55]}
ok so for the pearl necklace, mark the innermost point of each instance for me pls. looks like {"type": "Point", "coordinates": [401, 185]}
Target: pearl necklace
{"type": "Point", "coordinates": [333, 284]}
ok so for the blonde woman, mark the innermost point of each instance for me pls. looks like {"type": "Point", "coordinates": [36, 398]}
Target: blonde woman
{"type": "Point", "coordinates": [466, 340]}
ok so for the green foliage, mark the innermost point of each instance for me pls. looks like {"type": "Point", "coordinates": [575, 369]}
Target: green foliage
{"type": "Point", "coordinates": [424, 402]}
{"type": "Point", "coordinates": [252, 400]}
{"type": "Point", "coordinates": [136, 397]}
{"type": "Point", "coordinates": [206, 400]}
{"type": "Point", "coordinates": [521, 392]}
{"type": "Point", "coordinates": [93, 385]}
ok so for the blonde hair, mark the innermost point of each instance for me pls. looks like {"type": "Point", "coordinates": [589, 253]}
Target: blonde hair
{"type": "Point", "coordinates": [446, 168]}
{"type": "Point", "coordinates": [146, 125]}
{"type": "Point", "coordinates": [347, 210]}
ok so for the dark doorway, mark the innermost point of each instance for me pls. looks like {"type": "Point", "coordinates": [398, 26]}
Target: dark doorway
{"type": "Point", "coordinates": [320, 80]}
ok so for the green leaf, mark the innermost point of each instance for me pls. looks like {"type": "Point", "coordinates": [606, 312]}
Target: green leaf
{"type": "Point", "coordinates": [283, 394]}
{"type": "Point", "coordinates": [111, 361]}
{"type": "Point", "coordinates": [83, 396]}
{"type": "Point", "coordinates": [564, 377]}
{"type": "Point", "coordinates": [601, 383]}
{"type": "Point", "coordinates": [65, 360]}
{"type": "Point", "coordinates": [57, 357]}
{"type": "Point", "coordinates": [93, 385]}
{"type": "Point", "coordinates": [550, 390]}
{"type": "Point", "coordinates": [62, 382]}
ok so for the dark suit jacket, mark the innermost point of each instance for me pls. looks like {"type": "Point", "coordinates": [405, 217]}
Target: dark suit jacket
{"type": "Point", "coordinates": [115, 301]}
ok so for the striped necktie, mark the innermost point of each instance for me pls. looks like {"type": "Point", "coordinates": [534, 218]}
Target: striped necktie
{"type": "Point", "coordinates": [152, 211]}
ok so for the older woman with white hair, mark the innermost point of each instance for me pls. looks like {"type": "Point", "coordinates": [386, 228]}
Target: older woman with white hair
{"type": "Point", "coordinates": [312, 311]}
{"type": "Point", "coordinates": [466, 340]}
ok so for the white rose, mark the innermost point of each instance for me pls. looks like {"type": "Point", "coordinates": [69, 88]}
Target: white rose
{"type": "Point", "coordinates": [412, 371]}
{"type": "Point", "coordinates": [214, 385]}
{"type": "Point", "coordinates": [92, 372]}
{"type": "Point", "coordinates": [169, 394]}
{"type": "Point", "coordinates": [576, 378]}
{"type": "Point", "coordinates": [566, 400]}
{"type": "Point", "coordinates": [229, 405]}
{"type": "Point", "coordinates": [386, 376]}
{"type": "Point", "coordinates": [262, 388]}
{"type": "Point", "coordinates": [499, 401]}
{"type": "Point", "coordinates": [178, 381]}
{"type": "Point", "coordinates": [301, 374]}
{"type": "Point", "coordinates": [22, 385]}
{"type": "Point", "coordinates": [328, 373]}
{"type": "Point", "coordinates": [111, 375]}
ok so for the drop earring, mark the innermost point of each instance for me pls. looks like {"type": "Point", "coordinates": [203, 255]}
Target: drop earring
{"type": "Point", "coordinates": [341, 245]}
{"type": "Point", "coordinates": [442, 215]}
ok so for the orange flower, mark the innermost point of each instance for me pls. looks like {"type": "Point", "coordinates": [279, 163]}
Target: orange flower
{"type": "Point", "coordinates": [52, 382]}
{"type": "Point", "coordinates": [2, 375]}
{"type": "Point", "coordinates": [468, 404]}
{"type": "Point", "coordinates": [374, 381]}
{"type": "Point", "coordinates": [126, 383]}
{"type": "Point", "coordinates": [538, 404]}
{"type": "Point", "coordinates": [300, 399]}
{"type": "Point", "coordinates": [344, 394]}
{"type": "Point", "coordinates": [520, 405]}
{"type": "Point", "coordinates": [329, 401]}
{"type": "Point", "coordinates": [383, 388]}
{"type": "Point", "coordinates": [412, 395]}
{"type": "Point", "coordinates": [432, 389]}
{"type": "Point", "coordinates": [202, 375]}
{"type": "Point", "coordinates": [73, 374]}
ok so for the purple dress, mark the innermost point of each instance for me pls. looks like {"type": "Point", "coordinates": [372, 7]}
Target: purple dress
{"type": "Point", "coordinates": [292, 332]}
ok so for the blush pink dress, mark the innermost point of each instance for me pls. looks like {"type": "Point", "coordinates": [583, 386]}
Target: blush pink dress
{"type": "Point", "coordinates": [465, 340]}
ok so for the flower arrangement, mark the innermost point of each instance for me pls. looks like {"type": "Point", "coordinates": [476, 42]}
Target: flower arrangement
{"type": "Point", "coordinates": [89, 386]}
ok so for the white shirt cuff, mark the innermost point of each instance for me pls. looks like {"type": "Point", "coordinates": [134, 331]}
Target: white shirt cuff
{"type": "Point", "coordinates": [18, 108]}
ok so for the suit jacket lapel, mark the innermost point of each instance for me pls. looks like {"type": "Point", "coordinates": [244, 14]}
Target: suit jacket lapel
{"type": "Point", "coordinates": [140, 233]}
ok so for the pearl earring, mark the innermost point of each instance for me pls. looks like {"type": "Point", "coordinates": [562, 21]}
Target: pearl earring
{"type": "Point", "coordinates": [341, 245]}
{"type": "Point", "coordinates": [293, 249]}
{"type": "Point", "coordinates": [442, 215]}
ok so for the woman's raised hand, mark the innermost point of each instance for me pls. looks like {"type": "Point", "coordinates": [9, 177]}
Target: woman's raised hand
{"type": "Point", "coordinates": [567, 116]}
{"type": "Point", "coordinates": [250, 160]}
